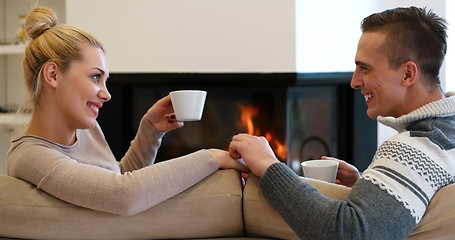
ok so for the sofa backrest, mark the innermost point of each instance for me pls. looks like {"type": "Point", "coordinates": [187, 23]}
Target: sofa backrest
{"type": "Point", "coordinates": [211, 208]}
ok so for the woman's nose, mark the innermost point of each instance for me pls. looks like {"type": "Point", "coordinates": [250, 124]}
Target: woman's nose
{"type": "Point", "coordinates": [104, 94]}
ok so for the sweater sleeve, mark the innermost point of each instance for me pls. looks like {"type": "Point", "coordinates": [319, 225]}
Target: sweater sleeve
{"type": "Point", "coordinates": [368, 212]}
{"type": "Point", "coordinates": [98, 188]}
{"type": "Point", "coordinates": [143, 149]}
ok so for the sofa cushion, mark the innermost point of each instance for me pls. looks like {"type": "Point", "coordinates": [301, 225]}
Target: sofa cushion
{"type": "Point", "coordinates": [211, 208]}
{"type": "Point", "coordinates": [261, 219]}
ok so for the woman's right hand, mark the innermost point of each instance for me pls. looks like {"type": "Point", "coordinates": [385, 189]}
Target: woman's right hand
{"type": "Point", "coordinates": [225, 161]}
{"type": "Point", "coordinates": [161, 115]}
{"type": "Point", "coordinates": [347, 174]}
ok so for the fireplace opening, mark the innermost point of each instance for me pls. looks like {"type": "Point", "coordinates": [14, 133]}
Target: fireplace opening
{"type": "Point", "coordinates": [227, 111]}
{"type": "Point", "coordinates": [303, 116]}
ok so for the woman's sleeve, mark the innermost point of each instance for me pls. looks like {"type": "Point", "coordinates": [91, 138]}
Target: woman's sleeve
{"type": "Point", "coordinates": [143, 149]}
{"type": "Point", "coordinates": [105, 190]}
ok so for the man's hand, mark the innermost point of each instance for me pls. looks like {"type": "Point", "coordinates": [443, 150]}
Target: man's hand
{"type": "Point", "coordinates": [255, 151]}
{"type": "Point", "coordinates": [347, 174]}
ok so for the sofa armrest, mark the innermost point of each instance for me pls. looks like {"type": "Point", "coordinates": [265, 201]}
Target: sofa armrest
{"type": "Point", "coordinates": [211, 208]}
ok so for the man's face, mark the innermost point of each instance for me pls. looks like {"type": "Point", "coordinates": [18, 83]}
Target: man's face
{"type": "Point", "coordinates": [380, 84]}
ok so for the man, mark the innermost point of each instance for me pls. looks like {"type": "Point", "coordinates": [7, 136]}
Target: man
{"type": "Point", "coordinates": [397, 65]}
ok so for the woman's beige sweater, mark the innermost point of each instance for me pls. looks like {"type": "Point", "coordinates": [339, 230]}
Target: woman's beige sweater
{"type": "Point", "coordinates": [87, 173]}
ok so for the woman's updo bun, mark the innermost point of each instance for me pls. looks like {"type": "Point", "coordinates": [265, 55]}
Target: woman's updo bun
{"type": "Point", "coordinates": [59, 44]}
{"type": "Point", "coordinates": [38, 21]}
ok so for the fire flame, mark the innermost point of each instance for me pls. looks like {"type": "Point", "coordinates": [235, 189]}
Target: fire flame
{"type": "Point", "coordinates": [247, 114]}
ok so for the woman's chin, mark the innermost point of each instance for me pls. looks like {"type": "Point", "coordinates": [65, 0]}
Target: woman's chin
{"type": "Point", "coordinates": [89, 124]}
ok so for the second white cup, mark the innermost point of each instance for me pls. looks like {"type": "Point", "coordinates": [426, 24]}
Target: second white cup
{"type": "Point", "coordinates": [188, 104]}
{"type": "Point", "coordinates": [325, 170]}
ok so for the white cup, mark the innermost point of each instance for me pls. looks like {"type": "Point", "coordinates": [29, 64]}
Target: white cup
{"type": "Point", "coordinates": [325, 170]}
{"type": "Point", "coordinates": [188, 104]}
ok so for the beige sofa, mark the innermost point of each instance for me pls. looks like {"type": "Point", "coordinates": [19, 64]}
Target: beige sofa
{"type": "Point", "coordinates": [217, 207]}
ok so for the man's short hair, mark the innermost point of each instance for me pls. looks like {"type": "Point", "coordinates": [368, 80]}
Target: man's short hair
{"type": "Point", "coordinates": [412, 34]}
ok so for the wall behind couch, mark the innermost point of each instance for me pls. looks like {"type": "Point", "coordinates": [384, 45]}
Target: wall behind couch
{"type": "Point", "coordinates": [191, 36]}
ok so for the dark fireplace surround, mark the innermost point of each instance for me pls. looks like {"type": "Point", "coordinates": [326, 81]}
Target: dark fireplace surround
{"type": "Point", "coordinates": [303, 115]}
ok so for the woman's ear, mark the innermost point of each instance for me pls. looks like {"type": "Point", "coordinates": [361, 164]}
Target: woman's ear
{"type": "Point", "coordinates": [409, 73]}
{"type": "Point", "coordinates": [50, 74]}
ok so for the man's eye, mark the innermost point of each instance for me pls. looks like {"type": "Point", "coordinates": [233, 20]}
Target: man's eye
{"type": "Point", "coordinates": [362, 67]}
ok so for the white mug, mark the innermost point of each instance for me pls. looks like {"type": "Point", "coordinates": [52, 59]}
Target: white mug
{"type": "Point", "coordinates": [325, 170]}
{"type": "Point", "coordinates": [188, 104]}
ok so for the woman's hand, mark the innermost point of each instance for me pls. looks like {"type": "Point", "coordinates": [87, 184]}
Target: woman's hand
{"type": "Point", "coordinates": [225, 161]}
{"type": "Point", "coordinates": [161, 115]}
{"type": "Point", "coordinates": [347, 174]}
{"type": "Point", "coordinates": [255, 151]}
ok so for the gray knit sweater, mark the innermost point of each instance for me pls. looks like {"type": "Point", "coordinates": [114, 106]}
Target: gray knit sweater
{"type": "Point", "coordinates": [390, 198]}
{"type": "Point", "coordinates": [87, 174]}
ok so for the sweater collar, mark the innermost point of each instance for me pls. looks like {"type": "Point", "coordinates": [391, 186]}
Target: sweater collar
{"type": "Point", "coordinates": [441, 108]}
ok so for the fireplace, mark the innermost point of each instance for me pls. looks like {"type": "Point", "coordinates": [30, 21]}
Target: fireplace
{"type": "Point", "coordinates": [304, 116]}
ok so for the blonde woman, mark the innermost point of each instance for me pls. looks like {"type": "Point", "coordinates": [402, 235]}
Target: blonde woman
{"type": "Point", "coordinates": [64, 152]}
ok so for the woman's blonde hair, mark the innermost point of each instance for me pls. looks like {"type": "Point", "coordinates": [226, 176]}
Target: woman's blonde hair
{"type": "Point", "coordinates": [50, 42]}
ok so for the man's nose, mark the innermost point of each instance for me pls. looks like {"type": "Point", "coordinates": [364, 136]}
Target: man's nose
{"type": "Point", "coordinates": [356, 80]}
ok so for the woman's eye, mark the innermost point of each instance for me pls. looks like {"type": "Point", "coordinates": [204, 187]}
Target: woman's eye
{"type": "Point", "coordinates": [96, 77]}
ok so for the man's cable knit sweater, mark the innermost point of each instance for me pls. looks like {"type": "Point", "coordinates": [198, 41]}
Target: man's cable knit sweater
{"type": "Point", "coordinates": [390, 198]}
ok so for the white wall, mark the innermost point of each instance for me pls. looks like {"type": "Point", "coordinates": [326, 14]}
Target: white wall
{"type": "Point", "coordinates": [191, 36]}
{"type": "Point", "coordinates": [327, 33]}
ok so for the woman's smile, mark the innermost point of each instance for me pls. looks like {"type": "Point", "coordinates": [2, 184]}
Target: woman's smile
{"type": "Point", "coordinates": [94, 107]}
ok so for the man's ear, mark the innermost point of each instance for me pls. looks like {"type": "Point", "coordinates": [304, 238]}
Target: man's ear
{"type": "Point", "coordinates": [409, 73]}
{"type": "Point", "coordinates": [50, 74]}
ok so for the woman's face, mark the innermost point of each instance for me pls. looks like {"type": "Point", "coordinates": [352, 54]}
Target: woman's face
{"type": "Point", "coordinates": [82, 89]}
